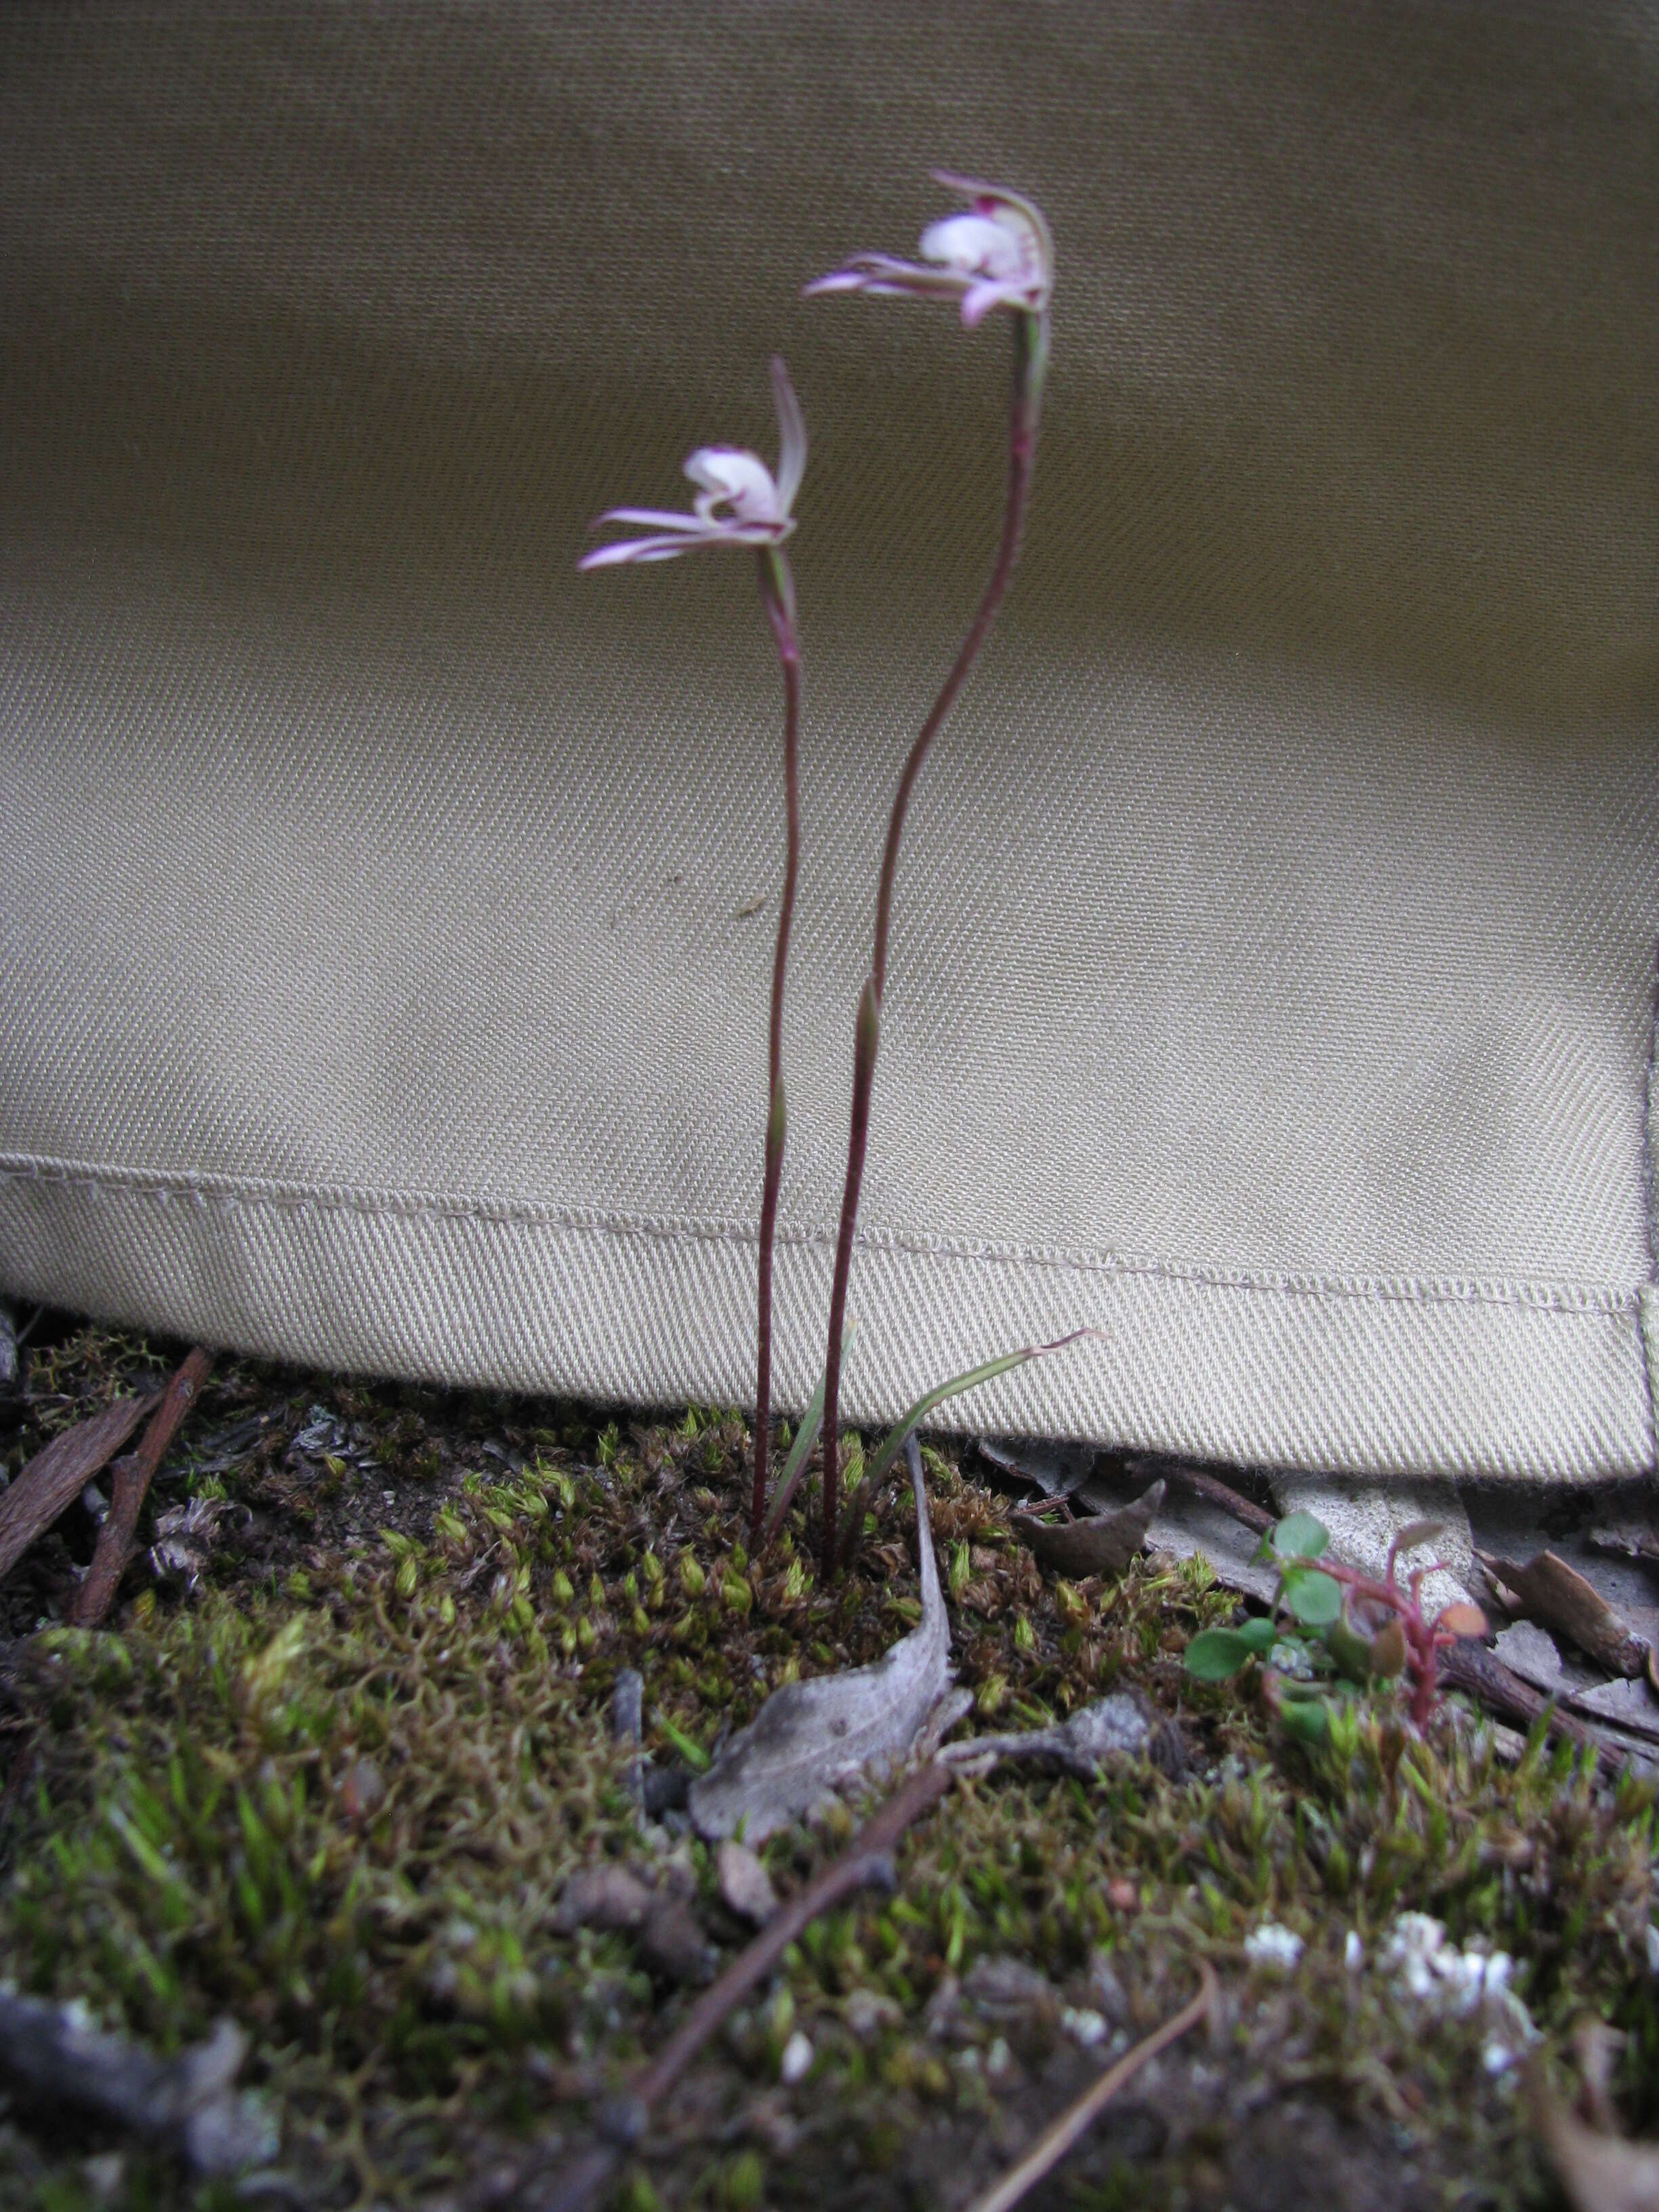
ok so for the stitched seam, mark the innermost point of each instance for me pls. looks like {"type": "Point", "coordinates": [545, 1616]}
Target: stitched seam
{"type": "Point", "coordinates": [229, 1192]}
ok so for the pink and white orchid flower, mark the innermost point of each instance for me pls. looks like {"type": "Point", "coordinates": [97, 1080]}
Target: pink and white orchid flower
{"type": "Point", "coordinates": [756, 504]}
{"type": "Point", "coordinates": [1001, 255]}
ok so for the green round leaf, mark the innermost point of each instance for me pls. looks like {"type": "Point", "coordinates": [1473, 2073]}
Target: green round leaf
{"type": "Point", "coordinates": [1215, 1654]}
{"type": "Point", "coordinates": [1259, 1634]}
{"type": "Point", "coordinates": [1300, 1536]}
{"type": "Point", "coordinates": [1314, 1599]}
{"type": "Point", "coordinates": [1306, 1718]}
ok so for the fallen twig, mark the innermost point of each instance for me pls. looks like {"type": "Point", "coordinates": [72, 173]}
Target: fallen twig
{"type": "Point", "coordinates": [1216, 1492]}
{"type": "Point", "coordinates": [1481, 1674]}
{"type": "Point", "coordinates": [1052, 2145]}
{"type": "Point", "coordinates": [624, 2120]}
{"type": "Point", "coordinates": [133, 1476]}
{"type": "Point", "coordinates": [59, 1471]}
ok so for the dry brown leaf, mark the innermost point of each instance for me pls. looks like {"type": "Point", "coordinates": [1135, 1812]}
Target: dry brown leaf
{"type": "Point", "coordinates": [1103, 1545]}
{"type": "Point", "coordinates": [809, 1737]}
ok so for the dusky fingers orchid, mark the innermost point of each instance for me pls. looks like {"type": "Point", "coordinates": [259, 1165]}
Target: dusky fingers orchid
{"type": "Point", "coordinates": [758, 505]}
{"type": "Point", "coordinates": [1000, 254]}
{"type": "Point", "coordinates": [741, 502]}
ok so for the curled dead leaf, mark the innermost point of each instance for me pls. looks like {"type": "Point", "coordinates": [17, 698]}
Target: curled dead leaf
{"type": "Point", "coordinates": [1103, 1545]}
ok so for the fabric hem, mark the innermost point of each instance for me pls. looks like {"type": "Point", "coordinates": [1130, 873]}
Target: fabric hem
{"type": "Point", "coordinates": [207, 1190]}
{"type": "Point", "coordinates": [1541, 1387]}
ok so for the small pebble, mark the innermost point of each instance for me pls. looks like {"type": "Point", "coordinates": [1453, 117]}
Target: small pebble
{"type": "Point", "coordinates": [867, 2013]}
{"type": "Point", "coordinates": [362, 1793]}
{"type": "Point", "coordinates": [1083, 2026]}
{"type": "Point", "coordinates": [608, 1897]}
{"type": "Point", "coordinates": [672, 1945]}
{"type": "Point", "coordinates": [1354, 1951]}
{"type": "Point", "coordinates": [746, 1886]}
{"type": "Point", "coordinates": [797, 2060]}
{"type": "Point", "coordinates": [1122, 1895]}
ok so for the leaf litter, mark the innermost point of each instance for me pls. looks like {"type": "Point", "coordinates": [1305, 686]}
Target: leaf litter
{"type": "Point", "coordinates": [362, 1793]}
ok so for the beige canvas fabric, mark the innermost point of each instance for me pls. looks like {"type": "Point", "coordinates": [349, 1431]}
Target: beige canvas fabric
{"type": "Point", "coordinates": [386, 909]}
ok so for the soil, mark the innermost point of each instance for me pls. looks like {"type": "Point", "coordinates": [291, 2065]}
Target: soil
{"type": "Point", "coordinates": [347, 1737]}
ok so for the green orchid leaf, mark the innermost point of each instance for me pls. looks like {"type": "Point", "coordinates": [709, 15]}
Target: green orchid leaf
{"type": "Point", "coordinates": [877, 1470]}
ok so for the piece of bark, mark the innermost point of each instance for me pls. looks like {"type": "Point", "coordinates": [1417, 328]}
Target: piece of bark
{"type": "Point", "coordinates": [1054, 1469]}
{"type": "Point", "coordinates": [1627, 1540]}
{"type": "Point", "coordinates": [1103, 1545]}
{"type": "Point", "coordinates": [810, 1736]}
{"type": "Point", "coordinates": [133, 1476]}
{"type": "Point", "coordinates": [1559, 1597]}
{"type": "Point", "coordinates": [59, 1471]}
{"type": "Point", "coordinates": [1623, 1704]}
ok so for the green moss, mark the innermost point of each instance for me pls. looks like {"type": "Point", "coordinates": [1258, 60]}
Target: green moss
{"type": "Point", "coordinates": [337, 1793]}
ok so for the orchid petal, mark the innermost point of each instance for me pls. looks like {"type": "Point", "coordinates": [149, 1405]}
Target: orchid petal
{"type": "Point", "coordinates": [979, 299]}
{"type": "Point", "coordinates": [732, 477]}
{"type": "Point", "coordinates": [888, 278]}
{"type": "Point", "coordinates": [791, 436]}
{"type": "Point", "coordinates": [638, 549]}
{"type": "Point", "coordinates": [648, 518]}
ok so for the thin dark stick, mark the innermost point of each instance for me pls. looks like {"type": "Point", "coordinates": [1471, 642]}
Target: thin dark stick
{"type": "Point", "coordinates": [1052, 2145]}
{"type": "Point", "coordinates": [778, 592]}
{"type": "Point", "coordinates": [1216, 1492]}
{"type": "Point", "coordinates": [133, 1476]}
{"type": "Point", "coordinates": [1031, 360]}
{"type": "Point", "coordinates": [867, 1859]}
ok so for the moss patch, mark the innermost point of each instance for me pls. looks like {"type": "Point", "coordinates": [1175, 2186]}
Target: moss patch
{"type": "Point", "coordinates": [335, 1764]}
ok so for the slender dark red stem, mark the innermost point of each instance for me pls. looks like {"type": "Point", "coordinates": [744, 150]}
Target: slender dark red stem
{"type": "Point", "coordinates": [778, 593]}
{"type": "Point", "coordinates": [1031, 362]}
{"type": "Point", "coordinates": [1422, 1645]}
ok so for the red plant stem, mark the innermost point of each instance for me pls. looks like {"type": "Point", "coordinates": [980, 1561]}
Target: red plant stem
{"type": "Point", "coordinates": [778, 594]}
{"type": "Point", "coordinates": [1030, 363]}
{"type": "Point", "coordinates": [1421, 1642]}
